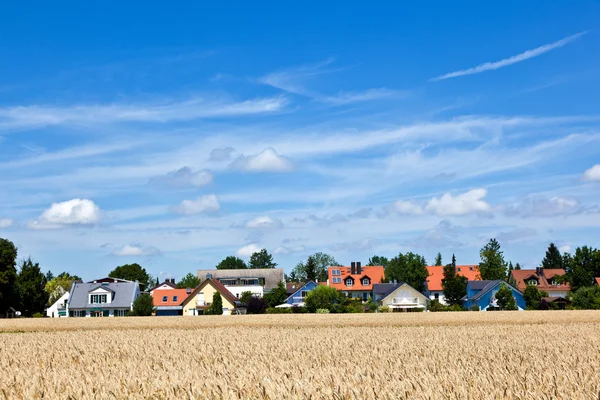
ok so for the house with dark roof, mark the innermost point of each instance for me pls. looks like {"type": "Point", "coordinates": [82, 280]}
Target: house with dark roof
{"type": "Point", "coordinates": [433, 284]}
{"type": "Point", "coordinates": [169, 302]}
{"type": "Point", "coordinates": [483, 295]}
{"type": "Point", "coordinates": [399, 296]}
{"type": "Point", "coordinates": [355, 281]}
{"type": "Point", "coordinates": [201, 298]}
{"type": "Point", "coordinates": [256, 281]}
{"type": "Point", "coordinates": [102, 299]}
{"type": "Point", "coordinates": [550, 281]}
{"type": "Point", "coordinates": [297, 297]}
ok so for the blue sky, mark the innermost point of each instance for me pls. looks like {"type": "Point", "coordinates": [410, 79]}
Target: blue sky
{"type": "Point", "coordinates": [173, 136]}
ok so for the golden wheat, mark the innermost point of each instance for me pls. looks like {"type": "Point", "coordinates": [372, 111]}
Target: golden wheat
{"type": "Point", "coordinates": [505, 355]}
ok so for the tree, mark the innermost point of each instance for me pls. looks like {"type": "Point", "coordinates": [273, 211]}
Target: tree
{"type": "Point", "coordinates": [142, 306]}
{"type": "Point", "coordinates": [276, 296]}
{"type": "Point", "coordinates": [438, 259]}
{"type": "Point", "coordinates": [378, 261]}
{"type": "Point", "coordinates": [261, 259]}
{"type": "Point", "coordinates": [292, 277]}
{"type": "Point", "coordinates": [553, 259]}
{"type": "Point", "coordinates": [59, 285]}
{"type": "Point", "coordinates": [409, 268]}
{"type": "Point", "coordinates": [517, 266]}
{"type": "Point", "coordinates": [583, 267]}
{"type": "Point", "coordinates": [232, 262]}
{"type": "Point", "coordinates": [8, 274]}
{"type": "Point", "coordinates": [533, 297]}
{"type": "Point", "coordinates": [492, 265]}
{"type": "Point", "coordinates": [188, 281]}
{"type": "Point", "coordinates": [315, 268]}
{"type": "Point", "coordinates": [454, 285]}
{"type": "Point", "coordinates": [216, 307]}
{"type": "Point", "coordinates": [586, 298]}
{"type": "Point", "coordinates": [30, 284]}
{"type": "Point", "coordinates": [505, 298]}
{"type": "Point", "coordinates": [256, 305]}
{"type": "Point", "coordinates": [245, 297]}
{"type": "Point", "coordinates": [132, 272]}
{"type": "Point", "coordinates": [49, 276]}
{"type": "Point", "coordinates": [321, 297]}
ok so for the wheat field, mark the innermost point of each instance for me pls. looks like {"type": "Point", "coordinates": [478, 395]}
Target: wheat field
{"type": "Point", "coordinates": [468, 355]}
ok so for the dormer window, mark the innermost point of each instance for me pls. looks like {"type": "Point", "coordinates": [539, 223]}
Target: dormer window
{"type": "Point", "coordinates": [470, 268]}
{"type": "Point", "coordinates": [97, 298]}
{"type": "Point", "coordinates": [458, 269]}
{"type": "Point", "coordinates": [366, 281]}
{"type": "Point", "coordinates": [349, 282]}
{"type": "Point", "coordinates": [532, 282]}
{"type": "Point", "coordinates": [175, 299]}
{"type": "Point", "coordinates": [165, 299]}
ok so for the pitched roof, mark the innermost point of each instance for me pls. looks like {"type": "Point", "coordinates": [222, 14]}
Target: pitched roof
{"type": "Point", "coordinates": [272, 276]}
{"type": "Point", "coordinates": [123, 296]}
{"type": "Point", "coordinates": [165, 283]}
{"type": "Point", "coordinates": [436, 274]}
{"type": "Point", "coordinates": [374, 273]}
{"type": "Point", "coordinates": [109, 279]}
{"type": "Point", "coordinates": [217, 285]}
{"type": "Point", "coordinates": [292, 287]}
{"type": "Point", "coordinates": [299, 288]}
{"type": "Point", "coordinates": [520, 277]}
{"type": "Point", "coordinates": [387, 289]}
{"type": "Point", "coordinates": [483, 287]}
{"type": "Point", "coordinates": [597, 281]}
{"type": "Point", "coordinates": [159, 294]}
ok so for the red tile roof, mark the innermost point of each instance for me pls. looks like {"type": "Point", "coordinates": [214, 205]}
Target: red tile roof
{"type": "Point", "coordinates": [159, 294]}
{"type": "Point", "coordinates": [598, 281]}
{"type": "Point", "coordinates": [544, 280]}
{"type": "Point", "coordinates": [436, 274]}
{"type": "Point", "coordinates": [374, 273]}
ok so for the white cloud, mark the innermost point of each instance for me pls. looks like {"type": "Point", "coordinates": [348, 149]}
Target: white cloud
{"type": "Point", "coordinates": [264, 222]}
{"type": "Point", "coordinates": [366, 95]}
{"type": "Point", "coordinates": [293, 80]}
{"type": "Point", "coordinates": [6, 223]}
{"type": "Point", "coordinates": [406, 207]}
{"type": "Point", "coordinates": [184, 177]}
{"type": "Point", "coordinates": [289, 249]}
{"type": "Point", "coordinates": [466, 203]}
{"type": "Point", "coordinates": [136, 250]}
{"type": "Point", "coordinates": [592, 174]}
{"type": "Point", "coordinates": [68, 213]}
{"type": "Point", "coordinates": [488, 66]}
{"type": "Point", "coordinates": [248, 250]}
{"type": "Point", "coordinates": [266, 161]}
{"type": "Point", "coordinates": [537, 206]}
{"type": "Point", "coordinates": [203, 204]}
{"type": "Point", "coordinates": [221, 154]}
{"type": "Point", "coordinates": [565, 248]}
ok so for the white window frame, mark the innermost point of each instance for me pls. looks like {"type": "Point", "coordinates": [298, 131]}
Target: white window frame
{"type": "Point", "coordinates": [366, 282]}
{"type": "Point", "coordinates": [349, 280]}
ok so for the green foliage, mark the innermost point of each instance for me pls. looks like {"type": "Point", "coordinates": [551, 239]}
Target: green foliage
{"type": "Point", "coordinates": [436, 306]}
{"type": "Point", "coordinates": [232, 262]}
{"type": "Point", "coordinates": [322, 311]}
{"type": "Point", "coordinates": [256, 305]}
{"type": "Point", "coordinates": [455, 307]}
{"type": "Point", "coordinates": [8, 275]}
{"type": "Point", "coordinates": [276, 296]}
{"type": "Point", "coordinates": [438, 259]}
{"type": "Point", "coordinates": [133, 272]}
{"type": "Point", "coordinates": [245, 297]}
{"type": "Point", "coordinates": [59, 285]}
{"type": "Point", "coordinates": [553, 259]}
{"type": "Point", "coordinates": [261, 259]}
{"type": "Point", "coordinates": [378, 260]}
{"type": "Point", "coordinates": [409, 268]}
{"type": "Point", "coordinates": [586, 298]}
{"type": "Point", "coordinates": [188, 281]}
{"type": "Point", "coordinates": [38, 315]}
{"type": "Point", "coordinates": [517, 266]}
{"type": "Point", "coordinates": [475, 308]}
{"type": "Point", "coordinates": [322, 297]}
{"type": "Point", "coordinates": [370, 306]}
{"type": "Point", "coordinates": [505, 298]}
{"type": "Point", "coordinates": [492, 265]}
{"type": "Point", "coordinates": [142, 306]}
{"type": "Point", "coordinates": [384, 309]}
{"type": "Point", "coordinates": [583, 267]}
{"type": "Point", "coordinates": [30, 285]}
{"type": "Point", "coordinates": [354, 306]}
{"type": "Point", "coordinates": [315, 268]}
{"type": "Point", "coordinates": [216, 307]}
{"type": "Point", "coordinates": [454, 285]}
{"type": "Point", "coordinates": [533, 297]}
{"type": "Point", "coordinates": [273, 310]}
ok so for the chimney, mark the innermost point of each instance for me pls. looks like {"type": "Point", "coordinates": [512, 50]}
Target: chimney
{"type": "Point", "coordinates": [188, 290]}
{"type": "Point", "coordinates": [395, 283]}
{"type": "Point", "coordinates": [541, 272]}
{"type": "Point", "coordinates": [358, 268]}
{"type": "Point", "coordinates": [352, 268]}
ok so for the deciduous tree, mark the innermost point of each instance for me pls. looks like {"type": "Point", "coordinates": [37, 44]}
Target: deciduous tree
{"type": "Point", "coordinates": [276, 296]}
{"type": "Point", "coordinates": [321, 297]}
{"type": "Point", "coordinates": [142, 306]}
{"type": "Point", "coordinates": [583, 267]}
{"type": "Point", "coordinates": [409, 268]}
{"type": "Point", "coordinates": [505, 298]}
{"type": "Point", "coordinates": [59, 285]}
{"type": "Point", "coordinates": [188, 281]}
{"type": "Point", "coordinates": [8, 275]}
{"type": "Point", "coordinates": [379, 261]}
{"type": "Point", "coordinates": [232, 262]}
{"type": "Point", "coordinates": [133, 272]}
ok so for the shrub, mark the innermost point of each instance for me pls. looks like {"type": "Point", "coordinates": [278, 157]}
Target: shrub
{"type": "Point", "coordinates": [256, 305]}
{"type": "Point", "coordinates": [384, 309]}
{"type": "Point", "coordinates": [322, 311]}
{"type": "Point", "coordinates": [38, 315]}
{"type": "Point", "coordinates": [142, 306]}
{"type": "Point", "coordinates": [436, 306]}
{"type": "Point", "coordinates": [274, 310]}
{"type": "Point", "coordinates": [321, 297]}
{"type": "Point", "coordinates": [370, 306]}
{"type": "Point", "coordinates": [455, 307]}
{"type": "Point", "coordinates": [299, 310]}
{"type": "Point", "coordinates": [355, 306]}
{"type": "Point", "coordinates": [475, 308]}
{"type": "Point", "coordinates": [587, 298]}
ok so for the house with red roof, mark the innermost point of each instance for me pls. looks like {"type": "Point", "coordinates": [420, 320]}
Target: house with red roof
{"type": "Point", "coordinates": [168, 302]}
{"type": "Point", "coordinates": [433, 284]}
{"type": "Point", "coordinates": [545, 279]}
{"type": "Point", "coordinates": [201, 298]}
{"type": "Point", "coordinates": [597, 280]}
{"type": "Point", "coordinates": [355, 281]}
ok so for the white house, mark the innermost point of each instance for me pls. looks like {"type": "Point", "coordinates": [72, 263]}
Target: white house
{"type": "Point", "coordinates": [102, 299]}
{"type": "Point", "coordinates": [59, 308]}
{"type": "Point", "coordinates": [399, 296]}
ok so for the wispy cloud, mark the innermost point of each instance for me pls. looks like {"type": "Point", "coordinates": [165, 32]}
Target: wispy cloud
{"type": "Point", "coordinates": [490, 66]}
{"type": "Point", "coordinates": [366, 95]}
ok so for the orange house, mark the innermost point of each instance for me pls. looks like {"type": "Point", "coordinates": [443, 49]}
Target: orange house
{"type": "Point", "coordinates": [355, 281]}
{"type": "Point", "coordinates": [169, 301]}
{"type": "Point", "coordinates": [433, 283]}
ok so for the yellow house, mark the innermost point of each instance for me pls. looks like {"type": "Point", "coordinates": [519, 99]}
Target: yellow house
{"type": "Point", "coordinates": [201, 298]}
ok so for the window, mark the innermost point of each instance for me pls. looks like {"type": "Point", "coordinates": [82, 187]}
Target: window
{"type": "Point", "coordinates": [335, 272]}
{"type": "Point", "coordinates": [165, 299]}
{"type": "Point", "coordinates": [121, 313]}
{"type": "Point", "coordinates": [532, 282]}
{"type": "Point", "coordinates": [470, 268]}
{"type": "Point", "coordinates": [78, 313]}
{"type": "Point", "coordinates": [436, 296]}
{"type": "Point", "coordinates": [97, 298]}
{"type": "Point", "coordinates": [175, 299]}
{"type": "Point", "coordinates": [303, 293]}
{"type": "Point", "coordinates": [458, 269]}
{"type": "Point", "coordinates": [228, 282]}
{"type": "Point", "coordinates": [349, 282]}
{"type": "Point", "coordinates": [337, 280]}
{"type": "Point", "coordinates": [366, 281]}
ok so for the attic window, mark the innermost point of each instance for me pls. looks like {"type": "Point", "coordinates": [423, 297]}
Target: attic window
{"type": "Point", "coordinates": [174, 298]}
{"type": "Point", "coordinates": [165, 298]}
{"type": "Point", "coordinates": [470, 268]}
{"type": "Point", "coordinates": [366, 282]}
{"type": "Point", "coordinates": [104, 283]}
{"type": "Point", "coordinates": [349, 282]}
{"type": "Point", "coordinates": [458, 269]}
{"type": "Point", "coordinates": [532, 282]}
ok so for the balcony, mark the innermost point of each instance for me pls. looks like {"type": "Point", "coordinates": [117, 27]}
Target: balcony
{"type": "Point", "coordinates": [200, 303]}
{"type": "Point", "coordinates": [298, 300]}
{"type": "Point", "coordinates": [405, 301]}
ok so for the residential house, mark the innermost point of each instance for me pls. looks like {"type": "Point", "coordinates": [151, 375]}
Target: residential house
{"type": "Point", "coordinates": [166, 285]}
{"type": "Point", "coordinates": [237, 281]}
{"type": "Point", "coordinates": [59, 308]}
{"type": "Point", "coordinates": [482, 294]}
{"type": "Point", "coordinates": [547, 280]}
{"type": "Point", "coordinates": [433, 284]}
{"type": "Point", "coordinates": [297, 297]}
{"type": "Point", "coordinates": [108, 279]}
{"type": "Point", "coordinates": [554, 303]}
{"type": "Point", "coordinates": [201, 298]}
{"type": "Point", "coordinates": [399, 296]}
{"type": "Point", "coordinates": [168, 302]}
{"type": "Point", "coordinates": [355, 281]}
{"type": "Point", "coordinates": [102, 299]}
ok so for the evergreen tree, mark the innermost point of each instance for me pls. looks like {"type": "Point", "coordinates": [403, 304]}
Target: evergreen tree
{"type": "Point", "coordinates": [583, 267]}
{"type": "Point", "coordinates": [261, 259]}
{"type": "Point", "coordinates": [216, 307]}
{"type": "Point", "coordinates": [378, 261]}
{"type": "Point", "coordinates": [438, 259]}
{"type": "Point", "coordinates": [30, 284]}
{"type": "Point", "coordinates": [553, 259]}
{"type": "Point", "coordinates": [8, 275]}
{"type": "Point", "coordinates": [492, 265]}
{"type": "Point", "coordinates": [517, 266]}
{"type": "Point", "coordinates": [454, 285]}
